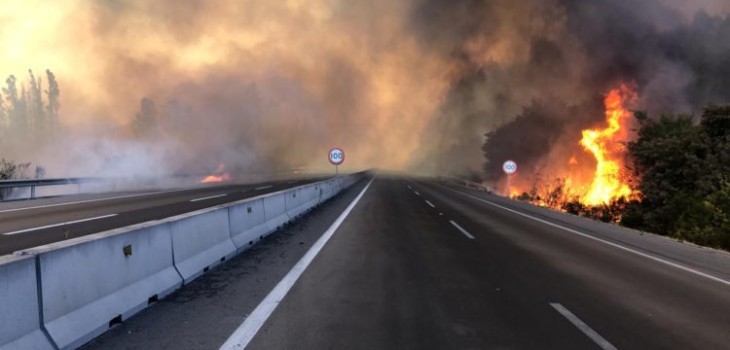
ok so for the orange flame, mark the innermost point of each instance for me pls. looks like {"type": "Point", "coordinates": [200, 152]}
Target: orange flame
{"type": "Point", "coordinates": [219, 176]}
{"type": "Point", "coordinates": [591, 186]}
{"type": "Point", "coordinates": [606, 145]}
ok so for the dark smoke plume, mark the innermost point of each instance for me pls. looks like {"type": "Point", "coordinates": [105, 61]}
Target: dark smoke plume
{"type": "Point", "coordinates": [414, 84]}
{"type": "Point", "coordinates": [548, 63]}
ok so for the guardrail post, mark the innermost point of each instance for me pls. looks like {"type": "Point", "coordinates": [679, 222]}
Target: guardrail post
{"type": "Point", "coordinates": [32, 192]}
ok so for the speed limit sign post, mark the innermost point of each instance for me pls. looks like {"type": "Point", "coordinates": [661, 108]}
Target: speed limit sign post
{"type": "Point", "coordinates": [509, 167]}
{"type": "Point", "coordinates": [336, 157]}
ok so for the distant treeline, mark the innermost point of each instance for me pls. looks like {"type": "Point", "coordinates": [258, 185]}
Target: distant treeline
{"type": "Point", "coordinates": [29, 109]}
{"type": "Point", "coordinates": [28, 117]}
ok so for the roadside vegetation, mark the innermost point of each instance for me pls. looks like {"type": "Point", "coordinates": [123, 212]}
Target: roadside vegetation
{"type": "Point", "coordinates": [28, 116]}
{"type": "Point", "coordinates": [684, 171]}
{"type": "Point", "coordinates": [681, 166]}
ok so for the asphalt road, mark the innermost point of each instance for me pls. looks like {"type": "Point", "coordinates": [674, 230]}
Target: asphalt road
{"type": "Point", "coordinates": [417, 265]}
{"type": "Point", "coordinates": [31, 223]}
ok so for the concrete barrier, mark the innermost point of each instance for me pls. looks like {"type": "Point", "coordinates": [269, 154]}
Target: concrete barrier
{"type": "Point", "coordinates": [79, 288]}
{"type": "Point", "coordinates": [275, 210]}
{"type": "Point", "coordinates": [295, 202]}
{"type": "Point", "coordinates": [19, 307]}
{"type": "Point", "coordinates": [201, 241]}
{"type": "Point", "coordinates": [319, 194]}
{"type": "Point", "coordinates": [327, 190]}
{"type": "Point", "coordinates": [336, 185]}
{"type": "Point", "coordinates": [313, 196]}
{"type": "Point", "coordinates": [248, 223]}
{"type": "Point", "coordinates": [90, 283]}
{"type": "Point", "coordinates": [299, 200]}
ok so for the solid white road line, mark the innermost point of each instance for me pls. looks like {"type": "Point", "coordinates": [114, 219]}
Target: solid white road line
{"type": "Point", "coordinates": [56, 225]}
{"type": "Point", "coordinates": [597, 338]}
{"type": "Point", "coordinates": [615, 245]}
{"type": "Point", "coordinates": [263, 187]}
{"type": "Point", "coordinates": [251, 325]}
{"type": "Point", "coordinates": [467, 234]}
{"type": "Point", "coordinates": [209, 197]}
{"type": "Point", "coordinates": [431, 204]}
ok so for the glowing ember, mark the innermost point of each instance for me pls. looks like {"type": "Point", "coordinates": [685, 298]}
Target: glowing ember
{"type": "Point", "coordinates": [219, 176]}
{"type": "Point", "coordinates": [215, 178]}
{"type": "Point", "coordinates": [606, 145]}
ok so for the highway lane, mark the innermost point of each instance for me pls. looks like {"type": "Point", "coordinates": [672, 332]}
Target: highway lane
{"type": "Point", "coordinates": [416, 265]}
{"type": "Point", "coordinates": [32, 223]}
{"type": "Point", "coordinates": [398, 274]}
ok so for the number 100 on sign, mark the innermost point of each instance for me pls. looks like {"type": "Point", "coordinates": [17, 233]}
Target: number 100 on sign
{"type": "Point", "coordinates": [336, 156]}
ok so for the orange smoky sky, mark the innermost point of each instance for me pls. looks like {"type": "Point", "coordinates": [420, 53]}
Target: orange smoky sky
{"type": "Point", "coordinates": [274, 84]}
{"type": "Point", "coordinates": [317, 73]}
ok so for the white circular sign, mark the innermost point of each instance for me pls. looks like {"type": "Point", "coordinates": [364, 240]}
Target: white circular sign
{"type": "Point", "coordinates": [337, 156]}
{"type": "Point", "coordinates": [509, 167]}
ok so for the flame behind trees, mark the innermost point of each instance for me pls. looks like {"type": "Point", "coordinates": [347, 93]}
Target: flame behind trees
{"type": "Point", "coordinates": [607, 147]}
{"type": "Point", "coordinates": [588, 175]}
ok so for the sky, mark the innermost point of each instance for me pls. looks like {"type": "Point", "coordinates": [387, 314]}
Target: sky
{"type": "Point", "coordinates": [267, 85]}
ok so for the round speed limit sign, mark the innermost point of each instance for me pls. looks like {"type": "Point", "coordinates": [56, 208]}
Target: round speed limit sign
{"type": "Point", "coordinates": [509, 167]}
{"type": "Point", "coordinates": [336, 156]}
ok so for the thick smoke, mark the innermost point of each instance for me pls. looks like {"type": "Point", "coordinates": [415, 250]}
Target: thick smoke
{"type": "Point", "coordinates": [262, 86]}
{"type": "Point", "coordinates": [259, 86]}
{"type": "Point", "coordinates": [550, 62]}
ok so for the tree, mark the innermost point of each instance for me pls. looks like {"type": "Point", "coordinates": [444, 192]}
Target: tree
{"type": "Point", "coordinates": [684, 169]}
{"type": "Point", "coordinates": [53, 95]}
{"type": "Point", "coordinates": [36, 112]}
{"type": "Point", "coordinates": [16, 106]}
{"type": "Point", "coordinates": [3, 118]}
{"type": "Point", "coordinates": [707, 221]}
{"type": "Point", "coordinates": [10, 170]}
{"type": "Point", "coordinates": [145, 121]}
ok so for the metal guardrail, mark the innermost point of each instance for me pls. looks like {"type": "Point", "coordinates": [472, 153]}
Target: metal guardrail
{"type": "Point", "coordinates": [7, 186]}
{"type": "Point", "coordinates": [466, 183]}
{"type": "Point", "coordinates": [33, 183]}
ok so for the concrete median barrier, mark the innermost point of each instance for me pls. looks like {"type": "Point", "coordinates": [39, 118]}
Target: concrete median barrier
{"type": "Point", "coordinates": [248, 223]}
{"type": "Point", "coordinates": [327, 190]}
{"type": "Point", "coordinates": [201, 241]}
{"type": "Point", "coordinates": [297, 200]}
{"type": "Point", "coordinates": [313, 196]}
{"type": "Point", "coordinates": [275, 210]}
{"type": "Point", "coordinates": [21, 326]}
{"type": "Point", "coordinates": [324, 192]}
{"type": "Point", "coordinates": [91, 283]}
{"type": "Point", "coordinates": [64, 294]}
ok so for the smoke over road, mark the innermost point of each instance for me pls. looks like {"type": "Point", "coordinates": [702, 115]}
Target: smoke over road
{"type": "Point", "coordinates": [398, 84]}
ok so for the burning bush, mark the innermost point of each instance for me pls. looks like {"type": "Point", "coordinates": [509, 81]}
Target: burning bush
{"type": "Point", "coordinates": [676, 183]}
